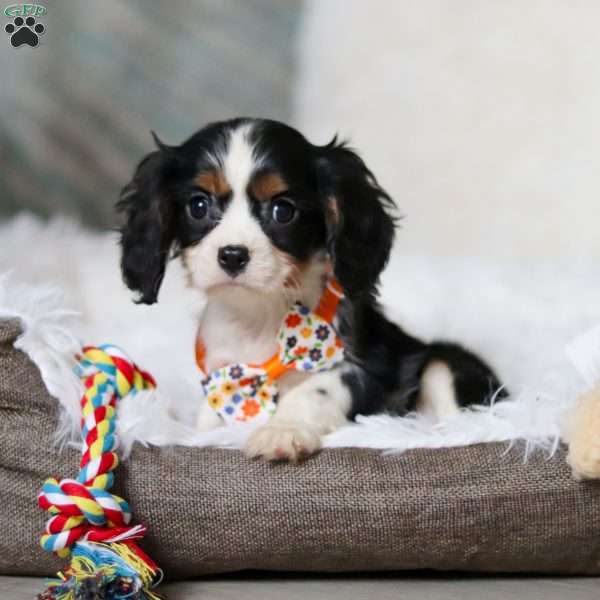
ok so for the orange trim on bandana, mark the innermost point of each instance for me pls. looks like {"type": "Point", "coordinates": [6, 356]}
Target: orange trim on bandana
{"type": "Point", "coordinates": [275, 368]}
{"type": "Point", "coordinates": [201, 355]}
{"type": "Point", "coordinates": [329, 301]}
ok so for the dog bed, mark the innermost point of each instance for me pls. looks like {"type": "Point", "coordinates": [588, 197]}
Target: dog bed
{"type": "Point", "coordinates": [485, 490]}
{"type": "Point", "coordinates": [474, 508]}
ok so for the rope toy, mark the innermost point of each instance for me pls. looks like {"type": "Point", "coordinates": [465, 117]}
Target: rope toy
{"type": "Point", "coordinates": [87, 522]}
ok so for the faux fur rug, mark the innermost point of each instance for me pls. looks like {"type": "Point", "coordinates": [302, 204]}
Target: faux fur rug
{"type": "Point", "coordinates": [64, 284]}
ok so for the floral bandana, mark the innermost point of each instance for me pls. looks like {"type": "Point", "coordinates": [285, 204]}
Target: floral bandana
{"type": "Point", "coordinates": [307, 342]}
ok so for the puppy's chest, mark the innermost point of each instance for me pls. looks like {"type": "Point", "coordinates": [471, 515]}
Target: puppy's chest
{"type": "Point", "coordinates": [228, 341]}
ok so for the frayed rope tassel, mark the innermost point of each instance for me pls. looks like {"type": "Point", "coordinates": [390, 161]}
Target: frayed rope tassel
{"type": "Point", "coordinates": [104, 571]}
{"type": "Point", "coordinates": [87, 522]}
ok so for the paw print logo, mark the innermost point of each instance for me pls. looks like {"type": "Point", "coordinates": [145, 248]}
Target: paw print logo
{"type": "Point", "coordinates": [24, 31]}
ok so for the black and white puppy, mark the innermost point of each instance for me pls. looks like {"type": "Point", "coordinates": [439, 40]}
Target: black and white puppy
{"type": "Point", "coordinates": [258, 216]}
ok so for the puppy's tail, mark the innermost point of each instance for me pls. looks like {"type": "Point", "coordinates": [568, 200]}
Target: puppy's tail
{"type": "Point", "coordinates": [447, 377]}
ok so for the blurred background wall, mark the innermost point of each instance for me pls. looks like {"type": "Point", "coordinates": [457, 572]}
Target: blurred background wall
{"type": "Point", "coordinates": [76, 111]}
{"type": "Point", "coordinates": [481, 117]}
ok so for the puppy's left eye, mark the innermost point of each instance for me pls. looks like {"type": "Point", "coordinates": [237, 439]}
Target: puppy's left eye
{"type": "Point", "coordinates": [282, 211]}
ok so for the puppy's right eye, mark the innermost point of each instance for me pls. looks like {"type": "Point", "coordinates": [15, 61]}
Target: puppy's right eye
{"type": "Point", "coordinates": [198, 206]}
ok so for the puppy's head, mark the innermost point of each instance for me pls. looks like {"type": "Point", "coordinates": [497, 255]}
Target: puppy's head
{"type": "Point", "coordinates": [252, 203]}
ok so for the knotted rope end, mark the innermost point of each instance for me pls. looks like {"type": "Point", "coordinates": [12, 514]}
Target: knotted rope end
{"type": "Point", "coordinates": [87, 522]}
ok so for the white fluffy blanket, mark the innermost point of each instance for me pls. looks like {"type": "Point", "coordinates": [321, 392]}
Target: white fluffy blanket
{"type": "Point", "coordinates": [64, 283]}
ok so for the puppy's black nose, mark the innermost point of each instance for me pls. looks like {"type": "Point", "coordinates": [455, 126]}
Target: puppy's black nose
{"type": "Point", "coordinates": [233, 259]}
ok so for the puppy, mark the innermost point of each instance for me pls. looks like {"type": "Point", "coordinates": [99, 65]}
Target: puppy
{"type": "Point", "coordinates": [259, 217]}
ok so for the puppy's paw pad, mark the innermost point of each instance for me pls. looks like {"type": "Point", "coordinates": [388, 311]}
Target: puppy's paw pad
{"type": "Point", "coordinates": [283, 442]}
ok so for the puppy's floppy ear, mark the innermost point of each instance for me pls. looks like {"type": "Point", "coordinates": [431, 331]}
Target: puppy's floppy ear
{"type": "Point", "coordinates": [360, 230]}
{"type": "Point", "coordinates": [149, 229]}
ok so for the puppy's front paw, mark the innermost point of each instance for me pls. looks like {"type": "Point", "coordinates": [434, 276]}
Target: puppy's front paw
{"type": "Point", "coordinates": [283, 441]}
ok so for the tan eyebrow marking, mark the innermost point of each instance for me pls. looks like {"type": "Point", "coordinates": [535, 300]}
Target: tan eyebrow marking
{"type": "Point", "coordinates": [213, 182]}
{"type": "Point", "coordinates": [264, 187]}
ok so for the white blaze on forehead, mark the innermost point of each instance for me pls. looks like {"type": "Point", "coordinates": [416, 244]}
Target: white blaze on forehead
{"type": "Point", "coordinates": [238, 226]}
{"type": "Point", "coordinates": [239, 162]}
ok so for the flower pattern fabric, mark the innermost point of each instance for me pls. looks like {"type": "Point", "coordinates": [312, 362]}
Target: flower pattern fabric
{"type": "Point", "coordinates": [240, 393]}
{"type": "Point", "coordinates": [309, 339]}
{"type": "Point", "coordinates": [307, 342]}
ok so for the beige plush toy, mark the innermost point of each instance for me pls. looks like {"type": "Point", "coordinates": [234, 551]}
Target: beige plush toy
{"type": "Point", "coordinates": [582, 430]}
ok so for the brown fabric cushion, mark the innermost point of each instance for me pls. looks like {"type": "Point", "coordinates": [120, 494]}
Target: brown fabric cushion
{"type": "Point", "coordinates": [477, 508]}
